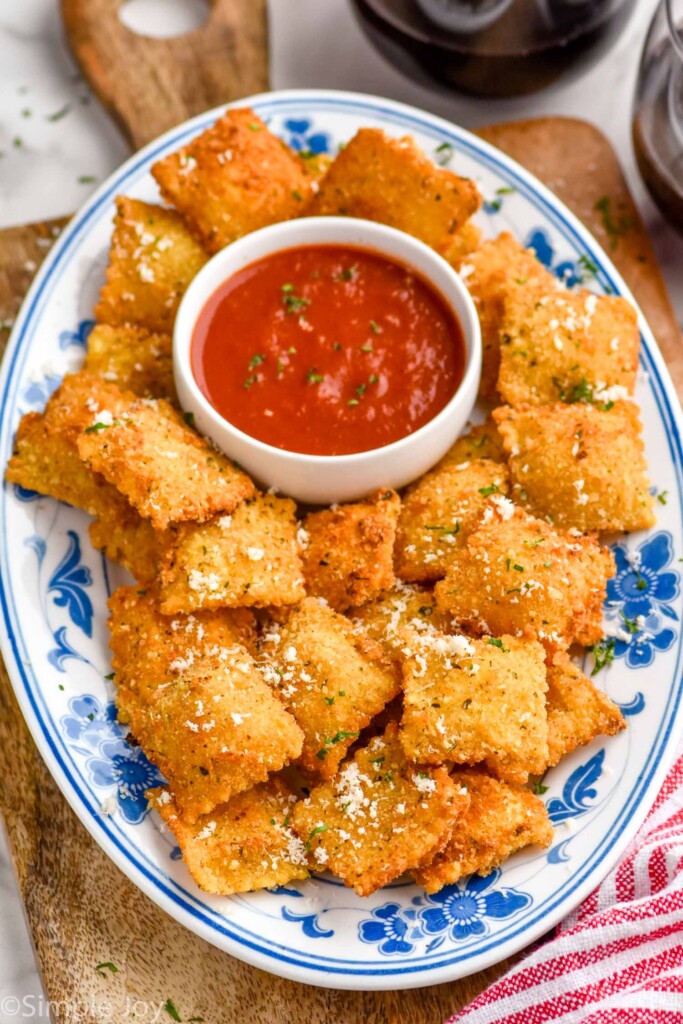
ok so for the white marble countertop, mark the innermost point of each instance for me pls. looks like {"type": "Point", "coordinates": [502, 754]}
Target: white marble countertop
{"type": "Point", "coordinates": [56, 144]}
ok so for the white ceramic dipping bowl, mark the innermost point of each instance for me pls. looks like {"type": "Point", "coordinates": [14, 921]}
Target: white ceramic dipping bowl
{"type": "Point", "coordinates": [324, 479]}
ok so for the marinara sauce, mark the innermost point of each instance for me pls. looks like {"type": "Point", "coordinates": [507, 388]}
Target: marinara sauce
{"type": "Point", "coordinates": [327, 350]}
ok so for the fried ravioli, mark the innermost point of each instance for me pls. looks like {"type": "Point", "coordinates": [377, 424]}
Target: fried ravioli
{"type": "Point", "coordinates": [517, 575]}
{"type": "Point", "coordinates": [215, 731]}
{"type": "Point", "coordinates": [480, 442]}
{"type": "Point", "coordinates": [234, 178]}
{"type": "Point", "coordinates": [500, 820]}
{"type": "Point", "coordinates": [247, 559]}
{"type": "Point", "coordinates": [579, 465]}
{"type": "Point", "coordinates": [167, 471]}
{"type": "Point", "coordinates": [391, 180]}
{"type": "Point", "coordinates": [153, 259]}
{"type": "Point", "coordinates": [133, 358]}
{"type": "Point", "coordinates": [487, 273]}
{"type": "Point", "coordinates": [242, 845]}
{"type": "Point", "coordinates": [558, 346]}
{"type": "Point", "coordinates": [577, 710]}
{"type": "Point", "coordinates": [348, 551]}
{"type": "Point", "coordinates": [379, 816]}
{"type": "Point", "coordinates": [466, 701]}
{"type": "Point", "coordinates": [438, 514]}
{"type": "Point", "coordinates": [332, 678]}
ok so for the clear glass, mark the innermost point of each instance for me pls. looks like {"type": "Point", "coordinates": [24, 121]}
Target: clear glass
{"type": "Point", "coordinates": [658, 111]}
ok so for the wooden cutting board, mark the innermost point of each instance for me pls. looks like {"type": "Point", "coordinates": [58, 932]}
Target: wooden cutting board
{"type": "Point", "coordinates": [80, 909]}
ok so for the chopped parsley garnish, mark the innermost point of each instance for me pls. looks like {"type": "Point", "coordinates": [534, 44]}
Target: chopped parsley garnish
{"type": "Point", "coordinates": [367, 347]}
{"type": "Point", "coordinates": [315, 832]}
{"type": "Point", "coordinates": [313, 377]}
{"type": "Point", "coordinates": [253, 378]}
{"type": "Point", "coordinates": [297, 195]}
{"type": "Point", "coordinates": [495, 641]}
{"type": "Point", "coordinates": [662, 497]}
{"type": "Point", "coordinates": [329, 701]}
{"type": "Point", "coordinates": [189, 418]}
{"type": "Point", "coordinates": [256, 360]}
{"type": "Point", "coordinates": [254, 127]}
{"type": "Point", "coordinates": [378, 760]}
{"type": "Point", "coordinates": [614, 226]}
{"type": "Point", "coordinates": [444, 154]}
{"type": "Point", "coordinates": [110, 675]}
{"type": "Point", "coordinates": [518, 568]}
{"type": "Point", "coordinates": [506, 190]}
{"type": "Point", "coordinates": [348, 274]}
{"type": "Point", "coordinates": [87, 179]}
{"type": "Point", "coordinates": [373, 379]}
{"type": "Point", "coordinates": [106, 966]}
{"type": "Point", "coordinates": [603, 654]}
{"type": "Point", "coordinates": [540, 789]}
{"type": "Point", "coordinates": [630, 625]}
{"type": "Point", "coordinates": [293, 303]}
{"type": "Point", "coordinates": [425, 609]}
{"type": "Point", "coordinates": [445, 530]}
{"type": "Point", "coordinates": [588, 268]}
{"type": "Point", "coordinates": [641, 584]}
{"type": "Point", "coordinates": [581, 392]}
{"type": "Point", "coordinates": [169, 1006]}
{"type": "Point", "coordinates": [96, 427]}
{"type": "Point", "coordinates": [353, 401]}
{"type": "Point", "coordinates": [494, 206]}
{"type": "Point", "coordinates": [488, 491]}
{"type": "Point", "coordinates": [374, 327]}
{"type": "Point", "coordinates": [59, 114]}
{"type": "Point", "coordinates": [361, 389]}
{"type": "Point", "coordinates": [337, 738]}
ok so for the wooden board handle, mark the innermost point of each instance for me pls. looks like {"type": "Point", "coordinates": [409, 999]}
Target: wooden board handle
{"type": "Point", "coordinates": [149, 85]}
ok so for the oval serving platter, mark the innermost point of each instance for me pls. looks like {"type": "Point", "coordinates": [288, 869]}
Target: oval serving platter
{"type": "Point", "coordinates": [54, 635]}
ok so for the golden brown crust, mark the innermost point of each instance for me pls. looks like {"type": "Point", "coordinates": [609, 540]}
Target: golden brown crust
{"type": "Point", "coordinates": [215, 731]}
{"type": "Point", "coordinates": [379, 816]}
{"type": "Point", "coordinates": [480, 442]}
{"type": "Point", "coordinates": [392, 181]}
{"type": "Point", "coordinates": [332, 678]}
{"type": "Point", "coordinates": [557, 345]}
{"type": "Point", "coordinates": [577, 710]}
{"type": "Point", "coordinates": [579, 465]}
{"type": "Point", "coordinates": [152, 260]}
{"type": "Point", "coordinates": [247, 559]}
{"type": "Point", "coordinates": [500, 820]}
{"type": "Point", "coordinates": [234, 178]}
{"type": "Point", "coordinates": [348, 550]}
{"type": "Point", "coordinates": [242, 845]}
{"type": "Point", "coordinates": [438, 514]}
{"type": "Point", "coordinates": [487, 273]}
{"type": "Point", "coordinates": [517, 575]}
{"type": "Point", "coordinates": [385, 618]}
{"type": "Point", "coordinates": [147, 451]}
{"type": "Point", "coordinates": [134, 359]}
{"type": "Point", "coordinates": [467, 700]}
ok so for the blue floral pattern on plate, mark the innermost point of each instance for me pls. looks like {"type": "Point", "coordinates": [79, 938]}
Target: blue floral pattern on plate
{"type": "Point", "coordinates": [466, 909]}
{"type": "Point", "coordinates": [111, 761]}
{"type": "Point", "coordinates": [301, 136]}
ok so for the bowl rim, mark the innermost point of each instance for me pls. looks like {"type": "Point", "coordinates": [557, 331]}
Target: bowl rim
{"type": "Point", "coordinates": [190, 308]}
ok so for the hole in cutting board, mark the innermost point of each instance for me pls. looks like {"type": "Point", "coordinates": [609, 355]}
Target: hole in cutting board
{"type": "Point", "coordinates": [163, 19]}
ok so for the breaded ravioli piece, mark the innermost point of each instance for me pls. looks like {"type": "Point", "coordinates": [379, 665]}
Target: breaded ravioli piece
{"type": "Point", "coordinates": [348, 550]}
{"type": "Point", "coordinates": [120, 533]}
{"type": "Point", "coordinates": [247, 559]}
{"type": "Point", "coordinates": [146, 450]}
{"type": "Point", "coordinates": [134, 358]}
{"type": "Point", "coordinates": [558, 346]}
{"type": "Point", "coordinates": [215, 731]}
{"type": "Point", "coordinates": [332, 679]}
{"type": "Point", "coordinates": [392, 181]}
{"type": "Point", "coordinates": [467, 701]}
{"type": "Point", "coordinates": [439, 512]}
{"type": "Point", "coordinates": [480, 442]}
{"type": "Point", "coordinates": [500, 820]}
{"type": "Point", "coordinates": [149, 649]}
{"type": "Point", "coordinates": [465, 241]}
{"type": "Point", "coordinates": [385, 618]}
{"type": "Point", "coordinates": [516, 574]}
{"type": "Point", "coordinates": [487, 273]}
{"type": "Point", "coordinates": [242, 845]}
{"type": "Point", "coordinates": [580, 465]}
{"type": "Point", "coordinates": [234, 178]}
{"type": "Point", "coordinates": [379, 816]}
{"type": "Point", "coordinates": [152, 260]}
{"type": "Point", "coordinates": [577, 710]}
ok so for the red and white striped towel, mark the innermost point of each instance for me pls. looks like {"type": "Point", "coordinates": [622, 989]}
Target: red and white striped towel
{"type": "Point", "coordinates": [618, 958]}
